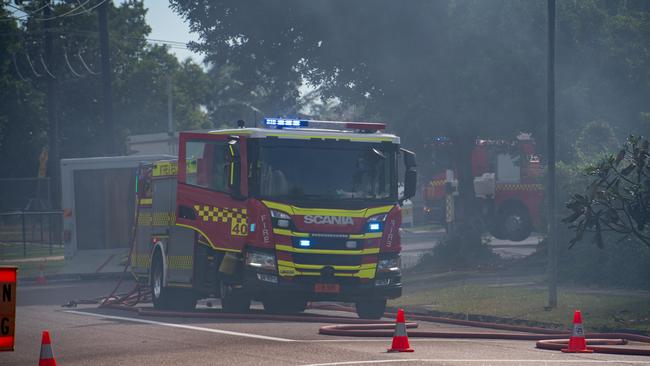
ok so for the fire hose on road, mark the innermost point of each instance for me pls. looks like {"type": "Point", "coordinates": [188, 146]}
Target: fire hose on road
{"type": "Point", "coordinates": [352, 327]}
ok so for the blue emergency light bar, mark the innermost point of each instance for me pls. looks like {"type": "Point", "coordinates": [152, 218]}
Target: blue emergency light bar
{"type": "Point", "coordinates": [280, 123]}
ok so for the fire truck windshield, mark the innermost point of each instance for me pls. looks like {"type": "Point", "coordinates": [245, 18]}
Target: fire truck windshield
{"type": "Point", "coordinates": [324, 171]}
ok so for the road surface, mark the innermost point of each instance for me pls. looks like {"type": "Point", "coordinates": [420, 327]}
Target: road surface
{"type": "Point", "coordinates": [89, 336]}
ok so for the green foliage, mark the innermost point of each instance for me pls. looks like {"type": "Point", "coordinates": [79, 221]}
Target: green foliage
{"type": "Point", "coordinates": [455, 252]}
{"type": "Point", "coordinates": [617, 199]}
{"type": "Point", "coordinates": [464, 68]}
{"type": "Point", "coordinates": [140, 72]}
{"type": "Point", "coordinates": [21, 111]}
{"type": "Point", "coordinates": [596, 139]}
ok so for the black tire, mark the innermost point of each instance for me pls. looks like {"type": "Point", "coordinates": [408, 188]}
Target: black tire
{"type": "Point", "coordinates": [232, 301]}
{"type": "Point", "coordinates": [284, 306]}
{"type": "Point", "coordinates": [159, 295]}
{"type": "Point", "coordinates": [371, 309]}
{"type": "Point", "coordinates": [165, 298]}
{"type": "Point", "coordinates": [514, 223]}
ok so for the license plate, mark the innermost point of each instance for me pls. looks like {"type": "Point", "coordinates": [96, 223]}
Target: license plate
{"type": "Point", "coordinates": [330, 288]}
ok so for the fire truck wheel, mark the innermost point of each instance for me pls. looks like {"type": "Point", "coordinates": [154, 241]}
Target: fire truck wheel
{"type": "Point", "coordinates": [284, 306]}
{"type": "Point", "coordinates": [159, 294]}
{"type": "Point", "coordinates": [233, 302]}
{"type": "Point", "coordinates": [371, 309]}
{"type": "Point", "coordinates": [514, 223]}
{"type": "Point", "coordinates": [165, 298]}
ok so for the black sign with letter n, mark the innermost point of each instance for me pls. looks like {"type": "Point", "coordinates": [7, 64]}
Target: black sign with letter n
{"type": "Point", "coordinates": [7, 308]}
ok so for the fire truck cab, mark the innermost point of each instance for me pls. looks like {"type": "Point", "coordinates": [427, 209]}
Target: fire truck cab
{"type": "Point", "coordinates": [507, 184]}
{"type": "Point", "coordinates": [295, 212]}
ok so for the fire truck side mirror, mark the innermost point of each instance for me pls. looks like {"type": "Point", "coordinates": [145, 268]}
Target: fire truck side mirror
{"type": "Point", "coordinates": [234, 171]}
{"type": "Point", "coordinates": [410, 174]}
{"type": "Point", "coordinates": [409, 158]}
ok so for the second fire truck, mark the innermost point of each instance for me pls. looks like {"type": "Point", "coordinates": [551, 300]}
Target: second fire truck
{"type": "Point", "coordinates": [506, 181]}
{"type": "Point", "coordinates": [294, 212]}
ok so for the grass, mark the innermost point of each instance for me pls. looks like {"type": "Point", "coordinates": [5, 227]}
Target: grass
{"type": "Point", "coordinates": [33, 269]}
{"type": "Point", "coordinates": [601, 311]}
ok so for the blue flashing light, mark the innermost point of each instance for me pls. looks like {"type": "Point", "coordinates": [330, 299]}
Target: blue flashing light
{"type": "Point", "coordinates": [284, 123]}
{"type": "Point", "coordinates": [374, 226]}
{"type": "Point", "coordinates": [304, 243]}
{"type": "Point", "coordinates": [252, 228]}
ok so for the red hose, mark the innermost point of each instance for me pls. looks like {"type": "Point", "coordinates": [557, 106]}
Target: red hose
{"type": "Point", "coordinates": [597, 342]}
{"type": "Point", "coordinates": [353, 327]}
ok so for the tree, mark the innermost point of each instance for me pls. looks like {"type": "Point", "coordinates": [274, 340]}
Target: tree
{"type": "Point", "coordinates": [462, 68]}
{"type": "Point", "coordinates": [428, 68]}
{"type": "Point", "coordinates": [140, 72]}
{"type": "Point", "coordinates": [617, 198]}
{"type": "Point", "coordinates": [21, 109]}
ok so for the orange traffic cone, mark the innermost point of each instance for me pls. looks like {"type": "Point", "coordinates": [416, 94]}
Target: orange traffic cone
{"type": "Point", "coordinates": [47, 357]}
{"type": "Point", "coordinates": [400, 338]}
{"type": "Point", "coordinates": [577, 342]}
{"type": "Point", "coordinates": [41, 277]}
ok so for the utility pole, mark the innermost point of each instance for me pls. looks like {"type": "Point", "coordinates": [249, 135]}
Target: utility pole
{"type": "Point", "coordinates": [550, 139]}
{"type": "Point", "coordinates": [50, 103]}
{"type": "Point", "coordinates": [107, 89]}
{"type": "Point", "coordinates": [170, 121]}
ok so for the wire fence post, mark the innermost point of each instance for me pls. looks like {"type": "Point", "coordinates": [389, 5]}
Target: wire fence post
{"type": "Point", "coordinates": [49, 236]}
{"type": "Point", "coordinates": [24, 235]}
{"type": "Point", "coordinates": [40, 219]}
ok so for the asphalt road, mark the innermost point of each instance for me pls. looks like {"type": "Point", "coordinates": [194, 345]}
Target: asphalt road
{"type": "Point", "coordinates": [90, 336]}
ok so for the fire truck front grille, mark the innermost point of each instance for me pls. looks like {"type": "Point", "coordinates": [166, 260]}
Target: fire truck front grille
{"type": "Point", "coordinates": [332, 243]}
{"type": "Point", "coordinates": [327, 259]}
{"type": "Point", "coordinates": [314, 280]}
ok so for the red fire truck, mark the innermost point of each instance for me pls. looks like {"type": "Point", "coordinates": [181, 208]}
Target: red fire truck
{"type": "Point", "coordinates": [297, 211]}
{"type": "Point", "coordinates": [506, 182]}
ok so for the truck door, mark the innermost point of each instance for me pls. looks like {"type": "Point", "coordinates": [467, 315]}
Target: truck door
{"type": "Point", "coordinates": [212, 188]}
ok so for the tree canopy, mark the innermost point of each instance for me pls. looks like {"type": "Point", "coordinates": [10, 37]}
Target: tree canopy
{"type": "Point", "coordinates": [140, 72]}
{"type": "Point", "coordinates": [462, 68]}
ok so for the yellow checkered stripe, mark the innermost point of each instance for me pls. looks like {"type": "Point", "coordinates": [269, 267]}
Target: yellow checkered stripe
{"type": "Point", "coordinates": [286, 268]}
{"type": "Point", "coordinates": [156, 218]}
{"type": "Point", "coordinates": [142, 261]}
{"type": "Point", "coordinates": [220, 214]}
{"type": "Point", "coordinates": [179, 261]}
{"type": "Point", "coordinates": [437, 182]}
{"type": "Point", "coordinates": [520, 187]}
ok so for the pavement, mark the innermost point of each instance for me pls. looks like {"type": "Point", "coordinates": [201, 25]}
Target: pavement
{"type": "Point", "coordinates": [110, 262]}
{"type": "Point", "coordinates": [89, 336]}
{"type": "Point", "coordinates": [96, 261]}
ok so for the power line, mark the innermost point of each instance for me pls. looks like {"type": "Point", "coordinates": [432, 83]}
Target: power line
{"type": "Point", "coordinates": [70, 13]}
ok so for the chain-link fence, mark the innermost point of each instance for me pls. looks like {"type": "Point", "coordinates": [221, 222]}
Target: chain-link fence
{"type": "Point", "coordinates": [26, 234]}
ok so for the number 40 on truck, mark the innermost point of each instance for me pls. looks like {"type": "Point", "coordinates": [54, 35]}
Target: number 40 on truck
{"type": "Point", "coordinates": [295, 212]}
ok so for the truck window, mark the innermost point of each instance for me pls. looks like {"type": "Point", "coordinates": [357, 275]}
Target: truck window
{"type": "Point", "coordinates": [207, 164]}
{"type": "Point", "coordinates": [508, 168]}
{"type": "Point", "coordinates": [325, 171]}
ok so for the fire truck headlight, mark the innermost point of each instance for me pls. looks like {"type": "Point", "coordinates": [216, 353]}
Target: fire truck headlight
{"type": "Point", "coordinates": [376, 223]}
{"type": "Point", "coordinates": [279, 215]}
{"type": "Point", "coordinates": [280, 219]}
{"type": "Point", "coordinates": [388, 265]}
{"type": "Point", "coordinates": [260, 260]}
{"type": "Point", "coordinates": [377, 218]}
